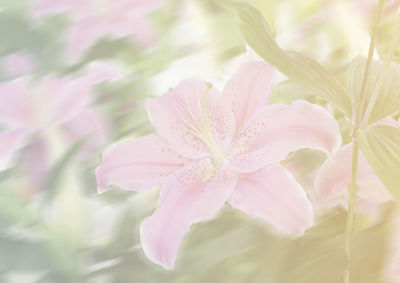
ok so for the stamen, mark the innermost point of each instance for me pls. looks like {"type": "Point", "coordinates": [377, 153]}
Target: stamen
{"type": "Point", "coordinates": [208, 176]}
{"type": "Point", "coordinates": [202, 128]}
{"type": "Point", "coordinates": [191, 128]}
{"type": "Point", "coordinates": [192, 114]}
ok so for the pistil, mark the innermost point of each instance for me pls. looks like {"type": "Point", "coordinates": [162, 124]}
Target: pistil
{"type": "Point", "coordinates": [202, 129]}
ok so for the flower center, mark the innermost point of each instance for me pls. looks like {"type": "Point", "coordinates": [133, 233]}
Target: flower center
{"type": "Point", "coordinates": [200, 127]}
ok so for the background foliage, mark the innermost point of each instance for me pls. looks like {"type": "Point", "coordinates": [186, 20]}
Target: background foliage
{"type": "Point", "coordinates": [64, 232]}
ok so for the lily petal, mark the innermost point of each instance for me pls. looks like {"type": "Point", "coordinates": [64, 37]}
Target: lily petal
{"type": "Point", "coordinates": [89, 123]}
{"type": "Point", "coordinates": [190, 107]}
{"type": "Point", "coordinates": [276, 130]}
{"type": "Point", "coordinates": [18, 64]}
{"type": "Point", "coordinates": [249, 90]}
{"type": "Point", "coordinates": [14, 108]}
{"type": "Point", "coordinates": [53, 6]}
{"type": "Point", "coordinates": [388, 121]}
{"type": "Point", "coordinates": [69, 96]}
{"type": "Point", "coordinates": [83, 33]}
{"type": "Point", "coordinates": [73, 96]}
{"type": "Point", "coordinates": [334, 178]}
{"type": "Point", "coordinates": [99, 72]}
{"type": "Point", "coordinates": [189, 199]}
{"type": "Point", "coordinates": [37, 161]}
{"type": "Point", "coordinates": [139, 164]}
{"type": "Point", "coordinates": [142, 8]}
{"type": "Point", "coordinates": [143, 33]}
{"type": "Point", "coordinates": [273, 195]}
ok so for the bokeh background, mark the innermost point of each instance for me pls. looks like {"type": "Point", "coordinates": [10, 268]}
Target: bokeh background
{"type": "Point", "coordinates": [111, 55]}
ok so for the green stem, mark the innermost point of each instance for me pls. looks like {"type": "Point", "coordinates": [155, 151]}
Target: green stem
{"type": "Point", "coordinates": [350, 212]}
{"type": "Point", "coordinates": [361, 107]}
{"type": "Point", "coordinates": [382, 75]}
{"type": "Point", "coordinates": [354, 159]}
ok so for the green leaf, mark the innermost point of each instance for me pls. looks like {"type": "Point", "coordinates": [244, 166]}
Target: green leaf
{"type": "Point", "coordinates": [122, 239]}
{"type": "Point", "coordinates": [22, 255]}
{"type": "Point", "coordinates": [381, 146]}
{"type": "Point", "coordinates": [13, 210]}
{"type": "Point", "coordinates": [297, 67]}
{"type": "Point", "coordinates": [288, 91]}
{"type": "Point", "coordinates": [61, 250]}
{"type": "Point", "coordinates": [385, 32]}
{"type": "Point", "coordinates": [388, 100]}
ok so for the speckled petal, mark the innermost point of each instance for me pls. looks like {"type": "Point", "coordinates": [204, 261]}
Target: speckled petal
{"type": "Point", "coordinates": [138, 164]}
{"type": "Point", "coordinates": [249, 90]}
{"type": "Point", "coordinates": [190, 198]}
{"type": "Point", "coordinates": [276, 130]}
{"type": "Point", "coordinates": [172, 113]}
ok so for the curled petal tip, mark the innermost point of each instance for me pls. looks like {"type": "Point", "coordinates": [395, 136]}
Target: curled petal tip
{"type": "Point", "coordinates": [153, 254]}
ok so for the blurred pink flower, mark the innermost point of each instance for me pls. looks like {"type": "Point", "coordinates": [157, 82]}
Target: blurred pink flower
{"type": "Point", "coordinates": [17, 64]}
{"type": "Point", "coordinates": [94, 19]}
{"type": "Point", "coordinates": [214, 148]}
{"type": "Point", "coordinates": [30, 110]}
{"type": "Point", "coordinates": [333, 179]}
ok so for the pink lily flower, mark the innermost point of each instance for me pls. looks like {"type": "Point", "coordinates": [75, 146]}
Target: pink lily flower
{"type": "Point", "coordinates": [94, 19]}
{"type": "Point", "coordinates": [30, 110]}
{"type": "Point", "coordinates": [18, 64]}
{"type": "Point", "coordinates": [334, 176]}
{"type": "Point", "coordinates": [214, 148]}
